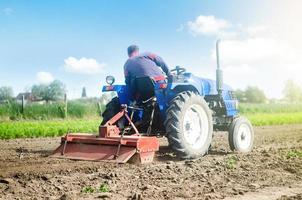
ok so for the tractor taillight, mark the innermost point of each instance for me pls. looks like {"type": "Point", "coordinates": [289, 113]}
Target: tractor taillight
{"type": "Point", "coordinates": [109, 88]}
{"type": "Point", "coordinates": [163, 85]}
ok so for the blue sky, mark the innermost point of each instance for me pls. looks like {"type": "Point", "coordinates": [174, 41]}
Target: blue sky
{"type": "Point", "coordinates": [80, 42]}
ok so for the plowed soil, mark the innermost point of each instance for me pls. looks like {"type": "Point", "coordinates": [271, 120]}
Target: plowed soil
{"type": "Point", "coordinates": [273, 170]}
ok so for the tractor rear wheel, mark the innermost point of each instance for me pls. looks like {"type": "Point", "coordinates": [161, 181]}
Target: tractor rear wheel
{"type": "Point", "coordinates": [189, 125]}
{"type": "Point", "coordinates": [112, 108]}
{"type": "Point", "coordinates": [241, 135]}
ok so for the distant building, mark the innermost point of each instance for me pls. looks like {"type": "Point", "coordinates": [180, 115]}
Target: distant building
{"type": "Point", "coordinates": [28, 97]}
{"type": "Point", "coordinates": [84, 95]}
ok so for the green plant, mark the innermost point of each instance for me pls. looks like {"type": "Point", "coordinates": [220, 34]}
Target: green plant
{"type": "Point", "coordinates": [87, 189]}
{"type": "Point", "coordinates": [294, 154]}
{"type": "Point", "coordinates": [231, 162]}
{"type": "Point", "coordinates": [103, 188]}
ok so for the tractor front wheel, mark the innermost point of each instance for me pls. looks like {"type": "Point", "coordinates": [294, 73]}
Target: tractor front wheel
{"type": "Point", "coordinates": [241, 135]}
{"type": "Point", "coordinates": [189, 125]}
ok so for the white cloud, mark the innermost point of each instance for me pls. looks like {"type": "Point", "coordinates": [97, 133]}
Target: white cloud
{"type": "Point", "coordinates": [251, 50]}
{"type": "Point", "coordinates": [208, 25]}
{"type": "Point", "coordinates": [45, 77]}
{"type": "Point", "coordinates": [264, 54]}
{"type": "Point", "coordinates": [259, 57]}
{"type": "Point", "coordinates": [83, 65]}
{"type": "Point", "coordinates": [257, 31]}
{"type": "Point", "coordinates": [7, 11]}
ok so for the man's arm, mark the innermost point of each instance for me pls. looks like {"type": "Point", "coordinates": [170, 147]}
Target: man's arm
{"type": "Point", "coordinates": [160, 62]}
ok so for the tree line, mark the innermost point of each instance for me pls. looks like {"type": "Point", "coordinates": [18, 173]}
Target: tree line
{"type": "Point", "coordinates": [46, 92]}
{"type": "Point", "coordinates": [292, 93]}
{"type": "Point", "coordinates": [55, 90]}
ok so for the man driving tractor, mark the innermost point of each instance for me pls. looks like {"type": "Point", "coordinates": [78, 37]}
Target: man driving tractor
{"type": "Point", "coordinates": [143, 65]}
{"type": "Point", "coordinates": [142, 71]}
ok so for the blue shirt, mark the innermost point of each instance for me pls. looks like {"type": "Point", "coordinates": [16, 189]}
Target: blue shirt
{"type": "Point", "coordinates": [146, 64]}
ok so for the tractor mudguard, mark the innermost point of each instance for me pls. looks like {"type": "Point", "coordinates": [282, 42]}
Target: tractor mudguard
{"type": "Point", "coordinates": [122, 91]}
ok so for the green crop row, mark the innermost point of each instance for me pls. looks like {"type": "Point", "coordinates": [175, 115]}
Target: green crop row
{"type": "Point", "coordinates": [22, 129]}
{"type": "Point", "coordinates": [90, 108]}
{"type": "Point", "coordinates": [249, 108]}
{"type": "Point", "coordinates": [263, 119]}
{"type": "Point", "coordinates": [25, 129]}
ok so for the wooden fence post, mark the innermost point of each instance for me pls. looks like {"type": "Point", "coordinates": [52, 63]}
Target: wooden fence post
{"type": "Point", "coordinates": [22, 103]}
{"type": "Point", "coordinates": [65, 100]}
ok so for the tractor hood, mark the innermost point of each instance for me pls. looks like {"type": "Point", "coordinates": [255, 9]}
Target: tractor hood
{"type": "Point", "coordinates": [202, 85]}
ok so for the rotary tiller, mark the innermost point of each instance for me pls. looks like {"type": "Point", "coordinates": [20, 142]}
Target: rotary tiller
{"type": "Point", "coordinates": [110, 145]}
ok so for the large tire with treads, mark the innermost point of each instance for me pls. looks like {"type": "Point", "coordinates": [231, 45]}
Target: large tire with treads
{"type": "Point", "coordinates": [112, 108]}
{"type": "Point", "coordinates": [189, 125]}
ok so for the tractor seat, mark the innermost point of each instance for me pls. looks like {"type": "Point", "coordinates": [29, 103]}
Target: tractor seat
{"type": "Point", "coordinates": [143, 89]}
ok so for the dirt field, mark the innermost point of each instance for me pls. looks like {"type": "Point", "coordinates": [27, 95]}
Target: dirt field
{"type": "Point", "coordinates": [271, 171]}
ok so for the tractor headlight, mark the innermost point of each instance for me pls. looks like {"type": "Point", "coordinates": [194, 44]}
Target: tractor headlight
{"type": "Point", "coordinates": [110, 80]}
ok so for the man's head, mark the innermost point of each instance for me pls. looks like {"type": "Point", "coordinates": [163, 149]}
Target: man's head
{"type": "Point", "coordinates": [133, 50]}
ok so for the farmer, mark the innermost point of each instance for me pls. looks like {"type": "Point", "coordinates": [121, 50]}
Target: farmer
{"type": "Point", "coordinates": [142, 65]}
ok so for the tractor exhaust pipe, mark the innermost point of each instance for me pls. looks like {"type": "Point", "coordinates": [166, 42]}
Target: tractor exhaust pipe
{"type": "Point", "coordinates": [219, 74]}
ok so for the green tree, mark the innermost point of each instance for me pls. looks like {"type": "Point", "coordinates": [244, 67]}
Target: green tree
{"type": "Point", "coordinates": [292, 92]}
{"type": "Point", "coordinates": [254, 95]}
{"type": "Point", "coordinates": [240, 95]}
{"type": "Point", "coordinates": [6, 93]}
{"type": "Point", "coordinates": [49, 92]}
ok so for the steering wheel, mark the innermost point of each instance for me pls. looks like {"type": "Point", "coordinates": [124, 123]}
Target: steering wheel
{"type": "Point", "coordinates": [179, 70]}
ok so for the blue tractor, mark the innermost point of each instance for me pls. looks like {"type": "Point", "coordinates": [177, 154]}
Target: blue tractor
{"type": "Point", "coordinates": [184, 108]}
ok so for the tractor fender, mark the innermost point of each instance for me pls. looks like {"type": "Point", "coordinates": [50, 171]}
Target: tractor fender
{"type": "Point", "coordinates": [122, 91]}
{"type": "Point", "coordinates": [191, 85]}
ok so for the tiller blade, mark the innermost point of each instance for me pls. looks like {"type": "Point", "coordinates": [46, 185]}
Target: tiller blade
{"type": "Point", "coordinates": [109, 145]}
{"type": "Point", "coordinates": [94, 148]}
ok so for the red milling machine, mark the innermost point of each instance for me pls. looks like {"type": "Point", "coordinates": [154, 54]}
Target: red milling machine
{"type": "Point", "coordinates": [110, 145]}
